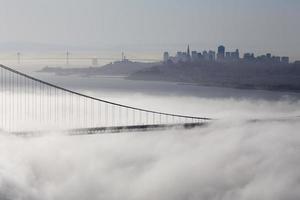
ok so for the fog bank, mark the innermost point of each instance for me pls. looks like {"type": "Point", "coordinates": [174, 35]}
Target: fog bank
{"type": "Point", "coordinates": [232, 158]}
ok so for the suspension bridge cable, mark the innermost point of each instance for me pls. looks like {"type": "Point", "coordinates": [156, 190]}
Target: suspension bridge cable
{"type": "Point", "coordinates": [97, 99]}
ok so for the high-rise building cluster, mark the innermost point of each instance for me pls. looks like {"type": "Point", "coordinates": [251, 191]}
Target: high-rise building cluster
{"type": "Point", "coordinates": [222, 56]}
{"type": "Point", "coordinates": [268, 58]}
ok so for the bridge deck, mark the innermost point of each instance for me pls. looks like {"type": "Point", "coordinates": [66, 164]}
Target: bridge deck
{"type": "Point", "coordinates": [116, 129]}
{"type": "Point", "coordinates": [26, 100]}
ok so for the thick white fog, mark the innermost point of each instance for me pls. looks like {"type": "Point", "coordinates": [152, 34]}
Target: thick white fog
{"type": "Point", "coordinates": [232, 158]}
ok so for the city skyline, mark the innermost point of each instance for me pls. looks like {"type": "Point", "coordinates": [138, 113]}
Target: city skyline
{"type": "Point", "coordinates": [257, 25]}
{"type": "Point", "coordinates": [223, 55]}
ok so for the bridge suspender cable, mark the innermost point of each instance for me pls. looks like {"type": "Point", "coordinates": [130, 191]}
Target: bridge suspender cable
{"type": "Point", "coordinates": [26, 100]}
{"type": "Point", "coordinates": [97, 99]}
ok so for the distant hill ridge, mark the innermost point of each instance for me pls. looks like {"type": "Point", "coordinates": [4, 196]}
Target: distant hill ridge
{"type": "Point", "coordinates": [238, 75]}
{"type": "Point", "coordinates": [118, 68]}
{"type": "Point", "coordinates": [241, 74]}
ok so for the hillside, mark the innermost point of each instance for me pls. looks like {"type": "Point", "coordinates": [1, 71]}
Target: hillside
{"type": "Point", "coordinates": [119, 68]}
{"type": "Point", "coordinates": [238, 75]}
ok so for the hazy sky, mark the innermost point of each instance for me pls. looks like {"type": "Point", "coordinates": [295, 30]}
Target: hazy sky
{"type": "Point", "coordinates": [257, 25]}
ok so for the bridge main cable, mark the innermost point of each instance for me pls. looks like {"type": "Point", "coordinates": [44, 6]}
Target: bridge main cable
{"type": "Point", "coordinates": [100, 100]}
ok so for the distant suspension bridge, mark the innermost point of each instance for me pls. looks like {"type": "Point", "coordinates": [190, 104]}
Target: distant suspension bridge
{"type": "Point", "coordinates": [32, 106]}
{"type": "Point", "coordinates": [68, 58]}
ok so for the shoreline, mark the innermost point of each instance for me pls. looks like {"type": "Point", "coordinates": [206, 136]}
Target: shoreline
{"type": "Point", "coordinates": [241, 87]}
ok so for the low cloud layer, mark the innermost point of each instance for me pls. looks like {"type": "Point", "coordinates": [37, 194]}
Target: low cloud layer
{"type": "Point", "coordinates": [230, 159]}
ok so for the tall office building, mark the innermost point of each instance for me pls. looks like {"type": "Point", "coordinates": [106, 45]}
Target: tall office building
{"type": "Point", "coordinates": [236, 54]}
{"type": "Point", "coordinates": [221, 53]}
{"type": "Point", "coordinates": [205, 55]}
{"type": "Point", "coordinates": [188, 51]}
{"type": "Point", "coordinates": [228, 55]}
{"type": "Point", "coordinates": [166, 56]}
{"type": "Point", "coordinates": [195, 56]}
{"type": "Point", "coordinates": [212, 55]}
{"type": "Point", "coordinates": [285, 60]}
